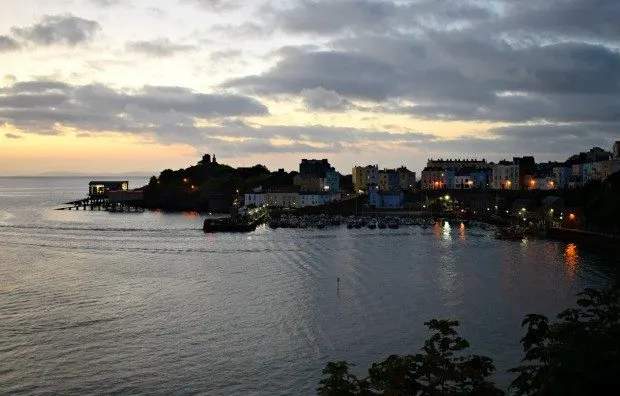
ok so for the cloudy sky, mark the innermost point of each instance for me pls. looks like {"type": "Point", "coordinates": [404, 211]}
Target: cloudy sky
{"type": "Point", "coordinates": [143, 85]}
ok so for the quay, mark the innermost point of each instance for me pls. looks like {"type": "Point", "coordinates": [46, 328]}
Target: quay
{"type": "Point", "coordinates": [112, 196]}
{"type": "Point", "coordinates": [241, 220]}
{"type": "Point", "coordinates": [593, 239]}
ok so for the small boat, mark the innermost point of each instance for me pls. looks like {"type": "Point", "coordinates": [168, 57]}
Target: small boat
{"type": "Point", "coordinates": [511, 233]}
{"type": "Point", "coordinates": [227, 225]}
{"type": "Point", "coordinates": [393, 224]}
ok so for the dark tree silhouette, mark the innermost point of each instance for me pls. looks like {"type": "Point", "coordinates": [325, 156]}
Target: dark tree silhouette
{"type": "Point", "coordinates": [578, 355]}
{"type": "Point", "coordinates": [441, 369]}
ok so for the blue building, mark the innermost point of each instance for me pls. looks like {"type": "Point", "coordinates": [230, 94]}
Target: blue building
{"type": "Point", "coordinates": [332, 181]}
{"type": "Point", "coordinates": [393, 180]}
{"type": "Point", "coordinates": [448, 179]}
{"type": "Point", "coordinates": [562, 175]}
{"type": "Point", "coordinates": [481, 178]}
{"type": "Point", "coordinates": [386, 199]}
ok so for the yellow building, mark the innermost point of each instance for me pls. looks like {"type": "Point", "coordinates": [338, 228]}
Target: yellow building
{"type": "Point", "coordinates": [359, 178]}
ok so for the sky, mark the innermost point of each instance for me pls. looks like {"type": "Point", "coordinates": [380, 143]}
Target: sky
{"type": "Point", "coordinates": [98, 86]}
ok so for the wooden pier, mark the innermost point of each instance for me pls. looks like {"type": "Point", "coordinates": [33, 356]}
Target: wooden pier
{"type": "Point", "coordinates": [112, 196]}
{"type": "Point", "coordinates": [130, 205]}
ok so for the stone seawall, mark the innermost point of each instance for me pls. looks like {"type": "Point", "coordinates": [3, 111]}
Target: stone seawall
{"type": "Point", "coordinates": [584, 237]}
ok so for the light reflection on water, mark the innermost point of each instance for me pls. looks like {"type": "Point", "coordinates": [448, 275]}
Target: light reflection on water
{"type": "Point", "coordinates": [571, 258]}
{"type": "Point", "coordinates": [148, 304]}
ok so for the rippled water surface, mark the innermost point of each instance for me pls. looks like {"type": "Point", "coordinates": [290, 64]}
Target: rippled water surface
{"type": "Point", "coordinates": [145, 303]}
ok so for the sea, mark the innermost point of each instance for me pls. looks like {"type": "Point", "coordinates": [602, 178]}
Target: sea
{"type": "Point", "coordinates": [93, 302]}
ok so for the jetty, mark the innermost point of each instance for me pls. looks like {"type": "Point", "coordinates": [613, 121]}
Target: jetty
{"type": "Point", "coordinates": [112, 196]}
{"type": "Point", "coordinates": [241, 220]}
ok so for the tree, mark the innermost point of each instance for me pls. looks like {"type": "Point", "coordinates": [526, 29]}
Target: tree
{"type": "Point", "coordinates": [578, 355]}
{"type": "Point", "coordinates": [339, 381]}
{"type": "Point", "coordinates": [441, 369]}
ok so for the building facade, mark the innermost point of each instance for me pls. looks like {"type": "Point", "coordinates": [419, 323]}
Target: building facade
{"type": "Point", "coordinates": [359, 178]}
{"type": "Point", "coordinates": [314, 167]}
{"type": "Point", "coordinates": [307, 182]}
{"type": "Point", "coordinates": [313, 199]}
{"type": "Point", "coordinates": [463, 182]}
{"type": "Point", "coordinates": [256, 197]}
{"type": "Point", "coordinates": [432, 178]}
{"type": "Point", "coordinates": [505, 176]}
{"type": "Point", "coordinates": [561, 175]}
{"type": "Point", "coordinates": [386, 199]}
{"type": "Point", "coordinates": [609, 167]}
{"type": "Point", "coordinates": [389, 180]}
{"type": "Point", "coordinates": [457, 164]}
{"type": "Point", "coordinates": [372, 175]}
{"type": "Point", "coordinates": [480, 178]}
{"type": "Point", "coordinates": [406, 178]}
{"type": "Point", "coordinates": [282, 199]}
{"type": "Point", "coordinates": [448, 179]}
{"type": "Point", "coordinates": [332, 181]}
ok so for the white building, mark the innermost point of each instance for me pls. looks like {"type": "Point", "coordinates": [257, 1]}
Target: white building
{"type": "Point", "coordinates": [282, 199]}
{"type": "Point", "coordinates": [505, 176]}
{"type": "Point", "coordinates": [545, 183]}
{"type": "Point", "coordinates": [256, 197]}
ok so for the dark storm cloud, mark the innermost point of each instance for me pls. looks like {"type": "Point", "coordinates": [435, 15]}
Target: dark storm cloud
{"type": "Point", "coordinates": [550, 141]}
{"type": "Point", "coordinates": [350, 74]}
{"type": "Point", "coordinates": [320, 99]}
{"type": "Point", "coordinates": [595, 19]}
{"type": "Point", "coordinates": [12, 136]}
{"type": "Point", "coordinates": [527, 62]}
{"type": "Point", "coordinates": [8, 44]}
{"type": "Point", "coordinates": [161, 47]}
{"type": "Point", "coordinates": [59, 29]}
{"type": "Point", "coordinates": [169, 114]}
{"type": "Point", "coordinates": [329, 17]}
{"type": "Point", "coordinates": [43, 106]}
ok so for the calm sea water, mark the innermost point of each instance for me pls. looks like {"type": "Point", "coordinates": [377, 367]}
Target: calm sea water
{"type": "Point", "coordinates": [145, 303]}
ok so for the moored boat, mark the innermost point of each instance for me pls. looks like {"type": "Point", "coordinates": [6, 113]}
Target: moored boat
{"type": "Point", "coordinates": [227, 225]}
{"type": "Point", "coordinates": [510, 233]}
{"type": "Point", "coordinates": [393, 224]}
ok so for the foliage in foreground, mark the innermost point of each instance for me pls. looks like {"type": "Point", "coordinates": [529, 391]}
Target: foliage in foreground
{"type": "Point", "coordinates": [439, 370]}
{"type": "Point", "coordinates": [577, 355]}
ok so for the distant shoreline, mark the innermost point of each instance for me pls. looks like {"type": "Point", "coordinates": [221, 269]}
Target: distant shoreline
{"type": "Point", "coordinates": [79, 176]}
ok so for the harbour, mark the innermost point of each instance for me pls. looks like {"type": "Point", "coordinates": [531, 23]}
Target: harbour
{"type": "Point", "coordinates": [140, 298]}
